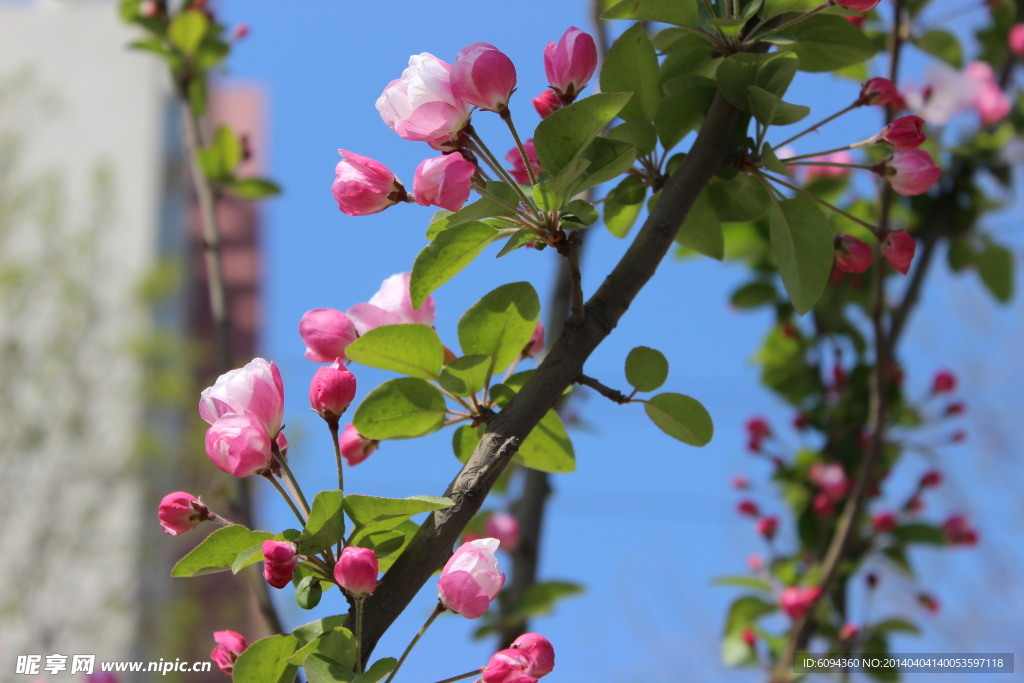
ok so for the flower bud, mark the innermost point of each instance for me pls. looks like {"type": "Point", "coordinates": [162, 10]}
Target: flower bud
{"type": "Point", "coordinates": [755, 562]}
{"type": "Point", "coordinates": [539, 651]}
{"type": "Point", "coordinates": [326, 334]}
{"type": "Point", "coordinates": [179, 512]}
{"type": "Point", "coordinates": [355, 447]}
{"type": "Point", "coordinates": [240, 32]}
{"type": "Point", "coordinates": [740, 482]}
{"type": "Point", "coordinates": [748, 508]}
{"type": "Point", "coordinates": [546, 103]}
{"type": "Point", "coordinates": [749, 637]}
{"type": "Point", "coordinates": [898, 249]}
{"type": "Point", "coordinates": [239, 445]}
{"type": "Point", "coordinates": [992, 104]}
{"type": "Point", "coordinates": [904, 133]}
{"type": "Point", "coordinates": [1016, 40]}
{"type": "Point", "coordinates": [852, 255]}
{"type": "Point", "coordinates": [758, 430]}
{"type": "Point", "coordinates": [518, 169]}
{"type": "Point", "coordinates": [910, 173]}
{"type": "Point", "coordinates": [280, 560]}
{"type": "Point", "coordinates": [471, 578]}
{"type": "Point", "coordinates": [483, 76]}
{"type": "Point", "coordinates": [944, 382]}
{"type": "Point", "coordinates": [363, 186]}
{"type": "Point", "coordinates": [768, 526]}
{"type": "Point", "coordinates": [356, 571]}
{"type": "Point", "coordinates": [883, 522]}
{"type": "Point", "coordinates": [505, 528]}
{"type": "Point", "coordinates": [849, 631]}
{"type": "Point", "coordinates": [858, 5]}
{"type": "Point", "coordinates": [958, 531]}
{"type": "Point", "coordinates": [931, 479]}
{"type": "Point", "coordinates": [879, 91]}
{"type": "Point", "coordinates": [507, 666]}
{"type": "Point", "coordinates": [331, 391]}
{"type": "Point", "coordinates": [444, 181]}
{"type": "Point", "coordinates": [796, 601]}
{"type": "Point", "coordinates": [536, 343]}
{"type": "Point", "coordinates": [570, 64]}
{"type": "Point", "coordinates": [229, 646]}
{"type": "Point", "coordinates": [929, 602]}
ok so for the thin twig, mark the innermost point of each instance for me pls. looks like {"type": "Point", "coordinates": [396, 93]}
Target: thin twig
{"type": "Point", "coordinates": [604, 390]}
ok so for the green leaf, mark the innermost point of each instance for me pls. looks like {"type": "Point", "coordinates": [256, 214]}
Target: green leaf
{"type": "Point", "coordinates": [895, 624]}
{"type": "Point", "coordinates": [623, 205]}
{"type": "Point", "coordinates": [548, 447]}
{"type": "Point", "coordinates": [320, 669]}
{"type": "Point", "coordinates": [451, 251]}
{"type": "Point", "coordinates": [770, 110]}
{"type": "Point", "coordinates": [683, 112]}
{"type": "Point", "coordinates": [784, 367]}
{"type": "Point", "coordinates": [942, 44]}
{"type": "Point", "coordinates": [702, 229]}
{"type": "Point", "coordinates": [554, 194]}
{"type": "Point", "coordinates": [803, 246]}
{"type": "Point", "coordinates": [308, 592]}
{"type": "Point", "coordinates": [326, 524]}
{"type": "Point", "coordinates": [827, 42]}
{"type": "Point", "coordinates": [466, 376]}
{"type": "Point", "coordinates": [744, 581]}
{"type": "Point", "coordinates": [579, 214]}
{"type": "Point", "coordinates": [539, 599]}
{"type": "Point", "coordinates": [681, 417]}
{"type": "Point", "coordinates": [187, 30]}
{"type": "Point", "coordinates": [773, 8]}
{"type": "Point", "coordinates": [566, 133]}
{"type": "Point", "coordinates": [228, 147]}
{"type": "Point", "coordinates": [401, 408]}
{"type": "Point", "coordinates": [772, 162]}
{"type": "Point", "coordinates": [608, 160]}
{"type": "Point", "coordinates": [640, 134]}
{"type": "Point", "coordinates": [519, 238]}
{"type": "Point", "coordinates": [336, 644]}
{"type": "Point", "coordinates": [265, 661]}
{"type": "Point", "coordinates": [367, 510]}
{"type": "Point", "coordinates": [927, 534]}
{"type": "Point", "coordinates": [464, 441]}
{"type": "Point", "coordinates": [646, 368]}
{"type": "Point", "coordinates": [505, 195]}
{"type": "Point", "coordinates": [378, 672]}
{"type": "Point", "coordinates": [255, 188]}
{"type": "Point", "coordinates": [249, 556]}
{"type": "Point", "coordinates": [676, 12]}
{"type": "Point", "coordinates": [499, 325]}
{"type": "Point", "coordinates": [631, 65]}
{"type": "Point", "coordinates": [386, 539]}
{"type": "Point", "coordinates": [752, 295]}
{"type": "Point", "coordinates": [735, 74]}
{"type": "Point", "coordinates": [995, 266]}
{"type": "Point", "coordinates": [411, 349]}
{"type": "Point", "coordinates": [736, 652]}
{"type": "Point", "coordinates": [218, 550]}
{"type": "Point", "coordinates": [745, 611]}
{"type": "Point", "coordinates": [310, 630]}
{"type": "Point", "coordinates": [743, 198]}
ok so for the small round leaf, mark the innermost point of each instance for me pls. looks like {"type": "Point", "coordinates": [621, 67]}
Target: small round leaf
{"type": "Point", "coordinates": [681, 417]}
{"type": "Point", "coordinates": [646, 368]}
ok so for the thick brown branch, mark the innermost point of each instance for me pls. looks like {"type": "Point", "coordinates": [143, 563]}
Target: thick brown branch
{"type": "Point", "coordinates": [432, 545]}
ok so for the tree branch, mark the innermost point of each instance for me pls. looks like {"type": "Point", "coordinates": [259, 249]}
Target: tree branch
{"type": "Point", "coordinates": [606, 391]}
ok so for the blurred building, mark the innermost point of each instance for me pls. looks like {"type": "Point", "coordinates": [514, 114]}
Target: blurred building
{"type": "Point", "coordinates": [105, 341]}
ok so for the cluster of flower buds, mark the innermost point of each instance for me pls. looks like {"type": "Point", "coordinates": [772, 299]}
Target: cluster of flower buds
{"type": "Point", "coordinates": [530, 658]}
{"type": "Point", "coordinates": [280, 558]}
{"type": "Point", "coordinates": [831, 484]}
{"type": "Point", "coordinates": [758, 430]}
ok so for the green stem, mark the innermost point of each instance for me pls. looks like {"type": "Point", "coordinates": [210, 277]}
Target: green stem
{"type": "Point", "coordinates": [786, 24]}
{"type": "Point", "coordinates": [291, 477]}
{"type": "Point", "coordinates": [359, 635]}
{"type": "Point", "coordinates": [856, 145]}
{"type": "Point", "coordinates": [430, 620]}
{"type": "Point", "coordinates": [818, 125]}
{"type": "Point", "coordinates": [506, 116]}
{"type": "Point", "coordinates": [333, 426]}
{"type": "Point", "coordinates": [480, 148]}
{"type": "Point", "coordinates": [829, 163]}
{"type": "Point", "coordinates": [469, 674]}
{"type": "Point", "coordinates": [284, 494]}
{"type": "Point", "coordinates": [832, 207]}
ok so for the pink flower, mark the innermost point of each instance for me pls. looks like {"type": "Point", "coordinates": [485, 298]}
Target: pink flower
{"type": "Point", "coordinates": [444, 181]}
{"type": "Point", "coordinates": [748, 508]}
{"type": "Point", "coordinates": [767, 527]}
{"type": "Point", "coordinates": [570, 64]}
{"type": "Point", "coordinates": [518, 169]}
{"type": "Point", "coordinates": [931, 479]}
{"type": "Point", "coordinates": [471, 578]}
{"type": "Point", "coordinates": [505, 528]}
{"type": "Point", "coordinates": [910, 173]}
{"type": "Point", "coordinates": [849, 631]}
{"type": "Point", "coordinates": [279, 561]}
{"type": "Point", "coordinates": [356, 571]}
{"type": "Point", "coordinates": [355, 447]}
{"type": "Point", "coordinates": [536, 343]}
{"type": "Point", "coordinates": [331, 391]}
{"type": "Point", "coordinates": [958, 531]}
{"type": "Point", "coordinates": [1016, 40]}
{"type": "Point", "coordinates": [256, 388]}
{"type": "Point", "coordinates": [904, 133]}
{"type": "Point", "coordinates": [883, 522]}
{"type": "Point", "coordinates": [898, 249]}
{"type": "Point", "coordinates": [391, 305]}
{"type": "Point", "coordinates": [179, 512]}
{"type": "Point", "coordinates": [755, 562]}
{"type": "Point", "coordinates": [229, 646]}
{"type": "Point", "coordinates": [797, 601]}
{"type": "Point", "coordinates": [816, 172]}
{"type": "Point", "coordinates": [420, 105]}
{"type": "Point", "coordinates": [483, 76]}
{"type": "Point", "coordinates": [852, 255]}
{"type": "Point", "coordinates": [944, 382]}
{"type": "Point", "coordinates": [326, 334]}
{"type": "Point", "coordinates": [992, 104]}
{"type": "Point", "coordinates": [858, 5]}
{"type": "Point", "coordinates": [508, 666]}
{"type": "Point", "coordinates": [539, 651]}
{"type": "Point", "coordinates": [830, 479]}
{"type": "Point", "coordinates": [363, 186]}
{"type": "Point", "coordinates": [239, 445]}
{"type": "Point", "coordinates": [880, 91]}
{"type": "Point", "coordinates": [546, 103]}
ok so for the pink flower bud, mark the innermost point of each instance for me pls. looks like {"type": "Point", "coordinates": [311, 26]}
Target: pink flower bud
{"type": "Point", "coordinates": [518, 169]}
{"type": "Point", "coordinates": [240, 32]}
{"type": "Point", "coordinates": [149, 9]}
{"type": "Point", "coordinates": [852, 255]}
{"type": "Point", "coordinates": [797, 601]}
{"type": "Point", "coordinates": [944, 382]}
{"type": "Point", "coordinates": [858, 5]}
{"type": "Point", "coordinates": [768, 526]}
{"type": "Point", "coordinates": [420, 105]}
{"type": "Point", "coordinates": [883, 522]}
{"type": "Point", "coordinates": [755, 562]}
{"type": "Point", "coordinates": [331, 391]}
{"type": "Point", "coordinates": [898, 249]}
{"type": "Point", "coordinates": [740, 482]}
{"type": "Point", "coordinates": [239, 445]}
{"type": "Point", "coordinates": [906, 132]}
{"type": "Point", "coordinates": [507, 666]}
{"type": "Point", "coordinates": [179, 512]}
{"type": "Point", "coordinates": [326, 334]}
{"type": "Point", "coordinates": [958, 531]}
{"type": "Point", "coordinates": [391, 305]}
{"type": "Point", "coordinates": [282, 444]}
{"type": "Point", "coordinates": [229, 646]}
{"type": "Point", "coordinates": [570, 64]}
{"type": "Point", "coordinates": [931, 479]}
{"type": "Point", "coordinates": [505, 528]}
{"type": "Point", "coordinates": [929, 602]}
{"type": "Point", "coordinates": [356, 571]}
{"type": "Point", "coordinates": [444, 181]}
{"type": "Point", "coordinates": [849, 631]}
{"type": "Point", "coordinates": [879, 91]}
{"type": "Point", "coordinates": [471, 578]}
{"type": "Point", "coordinates": [539, 651]}
{"type": "Point", "coordinates": [536, 343]}
{"type": "Point", "coordinates": [256, 388]}
{"type": "Point", "coordinates": [992, 104]}
{"type": "Point", "coordinates": [758, 430]}
{"type": "Point", "coordinates": [1016, 40]}
{"type": "Point", "coordinates": [749, 637]}
{"type": "Point", "coordinates": [483, 76]}
{"type": "Point", "coordinates": [822, 505]}
{"type": "Point", "coordinates": [830, 479]}
{"type": "Point", "coordinates": [355, 447]}
{"type": "Point", "coordinates": [279, 561]}
{"type": "Point", "coordinates": [910, 173]}
{"type": "Point", "coordinates": [748, 508]}
{"type": "Point", "coordinates": [363, 186]}
{"type": "Point", "coordinates": [546, 103]}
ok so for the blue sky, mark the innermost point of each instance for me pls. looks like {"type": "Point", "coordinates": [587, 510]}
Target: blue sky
{"type": "Point", "coordinates": [646, 522]}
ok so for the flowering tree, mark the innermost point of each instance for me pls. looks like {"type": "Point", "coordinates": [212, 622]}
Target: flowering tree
{"type": "Point", "coordinates": [683, 129]}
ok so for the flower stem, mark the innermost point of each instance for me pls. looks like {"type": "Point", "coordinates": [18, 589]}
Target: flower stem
{"type": "Point", "coordinates": [506, 116]}
{"type": "Point", "coordinates": [284, 494]}
{"type": "Point", "coordinates": [430, 620]}
{"type": "Point", "coordinates": [290, 477]}
{"type": "Point", "coordinates": [856, 145]}
{"type": "Point", "coordinates": [832, 207]}
{"type": "Point", "coordinates": [818, 125]}
{"type": "Point", "coordinates": [359, 636]}
{"type": "Point", "coordinates": [786, 24]}
{"type": "Point", "coordinates": [468, 674]}
{"type": "Point", "coordinates": [492, 161]}
{"type": "Point", "coordinates": [333, 425]}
